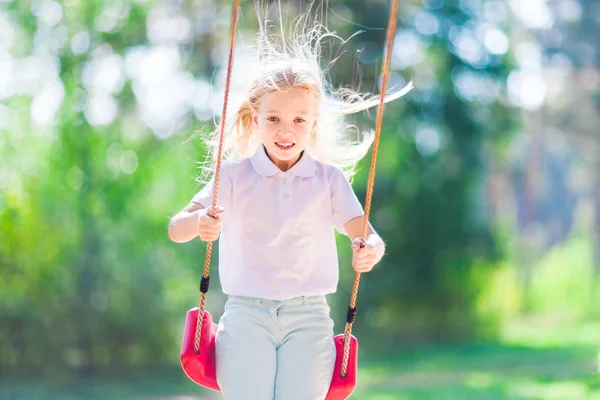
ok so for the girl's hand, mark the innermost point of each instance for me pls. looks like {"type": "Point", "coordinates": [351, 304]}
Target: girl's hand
{"type": "Point", "coordinates": [365, 258]}
{"type": "Point", "coordinates": [209, 228]}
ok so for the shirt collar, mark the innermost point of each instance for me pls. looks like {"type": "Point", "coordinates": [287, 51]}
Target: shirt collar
{"type": "Point", "coordinates": [305, 167]}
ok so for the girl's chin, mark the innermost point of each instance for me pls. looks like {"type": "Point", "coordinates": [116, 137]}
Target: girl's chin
{"type": "Point", "coordinates": [289, 153]}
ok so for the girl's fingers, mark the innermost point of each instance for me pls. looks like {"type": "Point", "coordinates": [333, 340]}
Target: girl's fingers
{"type": "Point", "coordinates": [364, 266]}
{"type": "Point", "coordinates": [365, 259]}
{"type": "Point", "coordinates": [209, 238]}
{"type": "Point", "coordinates": [364, 252]}
{"type": "Point", "coordinates": [209, 234]}
{"type": "Point", "coordinates": [213, 222]}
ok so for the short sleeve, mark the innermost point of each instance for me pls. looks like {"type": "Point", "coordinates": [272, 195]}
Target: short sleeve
{"type": "Point", "coordinates": [204, 196]}
{"type": "Point", "coordinates": [344, 203]}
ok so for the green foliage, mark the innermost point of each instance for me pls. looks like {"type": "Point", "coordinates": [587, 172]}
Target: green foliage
{"type": "Point", "coordinates": [566, 271]}
{"type": "Point", "coordinates": [90, 282]}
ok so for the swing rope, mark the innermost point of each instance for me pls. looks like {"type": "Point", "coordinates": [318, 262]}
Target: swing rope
{"type": "Point", "coordinates": [204, 282]}
{"type": "Point", "coordinates": [351, 316]}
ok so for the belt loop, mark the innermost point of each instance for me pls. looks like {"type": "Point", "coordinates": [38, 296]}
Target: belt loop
{"type": "Point", "coordinates": [303, 300]}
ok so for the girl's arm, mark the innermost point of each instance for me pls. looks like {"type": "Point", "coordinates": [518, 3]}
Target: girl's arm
{"type": "Point", "coordinates": [354, 230]}
{"type": "Point", "coordinates": [183, 227]}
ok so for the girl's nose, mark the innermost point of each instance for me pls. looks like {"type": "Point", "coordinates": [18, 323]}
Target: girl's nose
{"type": "Point", "coordinates": [285, 132]}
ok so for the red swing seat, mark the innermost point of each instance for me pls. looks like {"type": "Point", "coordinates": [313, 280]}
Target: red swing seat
{"type": "Point", "coordinates": [201, 367]}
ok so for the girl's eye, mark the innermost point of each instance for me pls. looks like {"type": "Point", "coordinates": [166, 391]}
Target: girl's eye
{"type": "Point", "coordinates": [299, 120]}
{"type": "Point", "coordinates": [273, 119]}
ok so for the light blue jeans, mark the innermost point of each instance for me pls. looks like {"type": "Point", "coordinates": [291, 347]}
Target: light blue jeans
{"type": "Point", "coordinates": [275, 350]}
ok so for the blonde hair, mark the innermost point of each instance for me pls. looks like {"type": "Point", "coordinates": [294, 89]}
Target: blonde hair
{"type": "Point", "coordinates": [281, 62]}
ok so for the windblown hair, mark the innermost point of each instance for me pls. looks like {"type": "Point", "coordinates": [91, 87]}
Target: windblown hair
{"type": "Point", "coordinates": [284, 62]}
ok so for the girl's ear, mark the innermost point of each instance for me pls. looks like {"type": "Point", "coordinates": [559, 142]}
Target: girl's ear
{"type": "Point", "coordinates": [254, 119]}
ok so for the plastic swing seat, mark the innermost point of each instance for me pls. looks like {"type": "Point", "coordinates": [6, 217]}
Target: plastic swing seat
{"type": "Point", "coordinates": [202, 368]}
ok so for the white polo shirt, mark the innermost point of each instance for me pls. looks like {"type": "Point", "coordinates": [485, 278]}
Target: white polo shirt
{"type": "Point", "coordinates": [277, 239]}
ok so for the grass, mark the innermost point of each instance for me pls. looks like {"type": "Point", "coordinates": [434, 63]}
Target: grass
{"type": "Point", "coordinates": [536, 360]}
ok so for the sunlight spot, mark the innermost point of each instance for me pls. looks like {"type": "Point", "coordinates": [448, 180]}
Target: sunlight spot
{"type": "Point", "coordinates": [7, 85]}
{"type": "Point", "coordinates": [561, 64]}
{"type": "Point", "coordinates": [47, 102]}
{"type": "Point", "coordinates": [569, 10]}
{"type": "Point", "coordinates": [426, 24]}
{"type": "Point", "coordinates": [529, 55]}
{"type": "Point", "coordinates": [168, 27]}
{"type": "Point", "coordinates": [159, 63]}
{"type": "Point", "coordinates": [75, 178]}
{"type": "Point", "coordinates": [496, 42]}
{"type": "Point", "coordinates": [535, 14]}
{"type": "Point", "coordinates": [48, 13]}
{"type": "Point", "coordinates": [470, 7]}
{"type": "Point", "coordinates": [33, 72]}
{"type": "Point", "coordinates": [7, 32]}
{"type": "Point", "coordinates": [129, 162]}
{"type": "Point", "coordinates": [111, 16]}
{"type": "Point", "coordinates": [101, 109]}
{"type": "Point", "coordinates": [113, 155]}
{"type": "Point", "coordinates": [472, 86]}
{"type": "Point", "coordinates": [408, 49]}
{"type": "Point", "coordinates": [104, 75]}
{"type": "Point", "coordinates": [201, 100]}
{"type": "Point", "coordinates": [427, 140]}
{"type": "Point", "coordinates": [495, 12]}
{"type": "Point", "coordinates": [526, 89]}
{"type": "Point", "coordinates": [80, 43]}
{"type": "Point", "coordinates": [468, 48]}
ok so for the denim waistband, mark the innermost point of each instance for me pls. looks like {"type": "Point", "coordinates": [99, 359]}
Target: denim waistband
{"type": "Point", "coordinates": [300, 300]}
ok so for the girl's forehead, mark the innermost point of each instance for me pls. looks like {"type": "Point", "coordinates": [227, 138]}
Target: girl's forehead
{"type": "Point", "coordinates": [296, 100]}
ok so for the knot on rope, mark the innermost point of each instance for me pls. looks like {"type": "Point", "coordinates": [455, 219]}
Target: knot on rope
{"type": "Point", "coordinates": [204, 283]}
{"type": "Point", "coordinates": [351, 315]}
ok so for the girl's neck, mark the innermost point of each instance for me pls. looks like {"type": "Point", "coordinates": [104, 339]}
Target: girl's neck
{"type": "Point", "coordinates": [284, 165]}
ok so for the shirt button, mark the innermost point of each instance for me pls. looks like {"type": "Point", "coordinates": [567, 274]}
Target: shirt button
{"type": "Point", "coordinates": [286, 195]}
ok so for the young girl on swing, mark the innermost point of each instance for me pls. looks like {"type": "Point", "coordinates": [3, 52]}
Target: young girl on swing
{"type": "Point", "coordinates": [283, 191]}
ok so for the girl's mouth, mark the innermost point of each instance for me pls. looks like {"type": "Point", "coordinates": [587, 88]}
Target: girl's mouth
{"type": "Point", "coordinates": [284, 146]}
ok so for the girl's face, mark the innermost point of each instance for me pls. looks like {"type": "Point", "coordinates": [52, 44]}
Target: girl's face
{"type": "Point", "coordinates": [285, 121]}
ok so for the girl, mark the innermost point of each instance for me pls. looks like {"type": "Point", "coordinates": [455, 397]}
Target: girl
{"type": "Point", "coordinates": [284, 188]}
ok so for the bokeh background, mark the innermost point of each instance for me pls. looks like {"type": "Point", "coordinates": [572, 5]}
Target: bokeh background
{"type": "Point", "coordinates": [487, 193]}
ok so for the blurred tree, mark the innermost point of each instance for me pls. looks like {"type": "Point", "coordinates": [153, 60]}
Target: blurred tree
{"type": "Point", "coordinates": [572, 47]}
